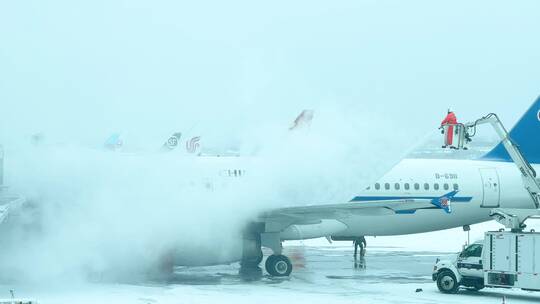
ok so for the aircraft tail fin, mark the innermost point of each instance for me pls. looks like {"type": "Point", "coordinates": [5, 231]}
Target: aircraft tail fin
{"type": "Point", "coordinates": [303, 120]}
{"type": "Point", "coordinates": [113, 143]}
{"type": "Point", "coordinates": [525, 134]}
{"type": "Point", "coordinates": [193, 145]}
{"type": "Point", "coordinates": [172, 142]}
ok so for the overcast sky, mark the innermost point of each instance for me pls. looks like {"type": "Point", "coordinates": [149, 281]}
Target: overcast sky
{"type": "Point", "coordinates": [88, 68]}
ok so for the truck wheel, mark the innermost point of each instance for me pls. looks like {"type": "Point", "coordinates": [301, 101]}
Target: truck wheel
{"type": "Point", "coordinates": [447, 282]}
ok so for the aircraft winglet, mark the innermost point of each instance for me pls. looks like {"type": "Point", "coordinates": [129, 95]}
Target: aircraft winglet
{"type": "Point", "coordinates": [443, 202]}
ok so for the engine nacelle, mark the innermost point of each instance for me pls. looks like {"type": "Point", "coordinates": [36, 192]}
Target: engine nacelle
{"type": "Point", "coordinates": [344, 238]}
{"type": "Point", "coordinates": [309, 231]}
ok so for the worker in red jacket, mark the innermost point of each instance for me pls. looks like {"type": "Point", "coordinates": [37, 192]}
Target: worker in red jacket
{"type": "Point", "coordinates": [450, 120]}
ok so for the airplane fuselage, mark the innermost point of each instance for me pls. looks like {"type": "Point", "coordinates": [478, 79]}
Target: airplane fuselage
{"type": "Point", "coordinates": [481, 186]}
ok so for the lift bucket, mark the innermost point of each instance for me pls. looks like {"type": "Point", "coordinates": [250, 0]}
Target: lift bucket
{"type": "Point", "coordinates": [458, 139]}
{"type": "Point", "coordinates": [460, 136]}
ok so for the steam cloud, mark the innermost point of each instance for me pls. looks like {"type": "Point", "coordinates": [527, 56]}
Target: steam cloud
{"type": "Point", "coordinates": [103, 212]}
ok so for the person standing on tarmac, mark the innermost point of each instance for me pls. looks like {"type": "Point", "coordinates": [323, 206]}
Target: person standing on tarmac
{"type": "Point", "coordinates": [449, 120]}
{"type": "Point", "coordinates": [360, 242]}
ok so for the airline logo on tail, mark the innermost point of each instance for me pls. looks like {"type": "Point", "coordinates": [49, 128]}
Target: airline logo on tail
{"type": "Point", "coordinates": [538, 115]}
{"type": "Point", "coordinates": [172, 142]}
{"type": "Point", "coordinates": [193, 144]}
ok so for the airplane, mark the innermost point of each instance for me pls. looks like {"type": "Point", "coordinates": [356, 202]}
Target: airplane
{"type": "Point", "coordinates": [417, 195]}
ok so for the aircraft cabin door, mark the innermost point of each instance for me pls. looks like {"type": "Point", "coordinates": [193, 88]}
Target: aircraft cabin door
{"type": "Point", "coordinates": [491, 187]}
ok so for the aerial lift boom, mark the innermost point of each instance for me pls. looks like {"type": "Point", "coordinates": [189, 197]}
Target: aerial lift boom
{"type": "Point", "coordinates": [510, 218]}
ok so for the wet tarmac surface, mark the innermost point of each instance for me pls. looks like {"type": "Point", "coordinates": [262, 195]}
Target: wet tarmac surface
{"type": "Point", "coordinates": [322, 263]}
{"type": "Point", "coordinates": [326, 274]}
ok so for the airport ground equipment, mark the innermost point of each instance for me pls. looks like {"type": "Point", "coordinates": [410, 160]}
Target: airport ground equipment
{"type": "Point", "coordinates": [504, 259]}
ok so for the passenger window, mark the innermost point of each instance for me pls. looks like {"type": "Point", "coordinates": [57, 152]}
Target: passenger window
{"type": "Point", "coordinates": [426, 186]}
{"type": "Point", "coordinates": [416, 186]}
{"type": "Point", "coordinates": [456, 187]}
{"type": "Point", "coordinates": [387, 186]}
{"type": "Point", "coordinates": [446, 186]}
{"type": "Point", "coordinates": [406, 186]}
{"type": "Point", "coordinates": [377, 186]}
{"type": "Point", "coordinates": [436, 186]}
{"type": "Point", "coordinates": [396, 185]}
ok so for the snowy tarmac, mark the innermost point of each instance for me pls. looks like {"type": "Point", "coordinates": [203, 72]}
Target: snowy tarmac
{"type": "Point", "coordinates": [325, 274]}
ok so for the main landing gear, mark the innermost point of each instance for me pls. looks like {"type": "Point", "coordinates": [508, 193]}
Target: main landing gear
{"type": "Point", "coordinates": [277, 265]}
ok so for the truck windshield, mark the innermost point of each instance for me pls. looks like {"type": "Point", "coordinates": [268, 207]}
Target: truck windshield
{"type": "Point", "coordinates": [475, 250]}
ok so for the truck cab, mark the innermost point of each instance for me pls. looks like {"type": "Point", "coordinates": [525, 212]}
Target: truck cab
{"type": "Point", "coordinates": [464, 270]}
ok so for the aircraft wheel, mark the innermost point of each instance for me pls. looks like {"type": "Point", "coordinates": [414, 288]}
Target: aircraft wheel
{"type": "Point", "coordinates": [447, 282]}
{"type": "Point", "coordinates": [278, 265]}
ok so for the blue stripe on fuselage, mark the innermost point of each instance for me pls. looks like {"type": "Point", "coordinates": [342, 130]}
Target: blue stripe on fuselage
{"type": "Point", "coordinates": [455, 199]}
{"type": "Point", "coordinates": [412, 211]}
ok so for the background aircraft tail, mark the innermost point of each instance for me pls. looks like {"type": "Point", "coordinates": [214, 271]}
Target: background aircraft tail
{"type": "Point", "coordinates": [193, 145]}
{"type": "Point", "coordinates": [113, 143]}
{"type": "Point", "coordinates": [172, 142]}
{"type": "Point", "coordinates": [303, 120]}
{"type": "Point", "coordinates": [526, 134]}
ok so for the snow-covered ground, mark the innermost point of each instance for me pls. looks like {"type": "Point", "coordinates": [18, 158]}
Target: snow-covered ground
{"type": "Point", "coordinates": [323, 274]}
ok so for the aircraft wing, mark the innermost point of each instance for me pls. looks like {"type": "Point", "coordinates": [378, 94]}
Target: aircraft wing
{"type": "Point", "coordinates": [284, 217]}
{"type": "Point", "coordinates": [9, 204]}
